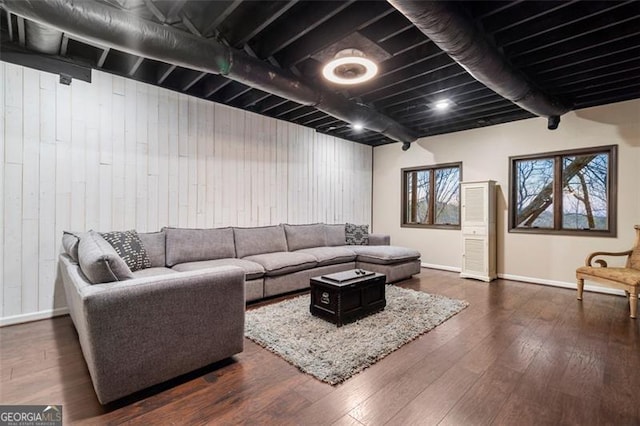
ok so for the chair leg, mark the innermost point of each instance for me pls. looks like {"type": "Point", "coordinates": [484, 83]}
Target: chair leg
{"type": "Point", "coordinates": [580, 288]}
{"type": "Point", "coordinates": [633, 302]}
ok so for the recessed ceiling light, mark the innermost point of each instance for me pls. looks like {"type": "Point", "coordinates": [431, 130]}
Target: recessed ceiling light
{"type": "Point", "coordinates": [350, 67]}
{"type": "Point", "coordinates": [442, 105]}
{"type": "Point", "coordinates": [357, 126]}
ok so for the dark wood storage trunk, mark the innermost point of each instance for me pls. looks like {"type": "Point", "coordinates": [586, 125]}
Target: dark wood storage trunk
{"type": "Point", "coordinates": [347, 301]}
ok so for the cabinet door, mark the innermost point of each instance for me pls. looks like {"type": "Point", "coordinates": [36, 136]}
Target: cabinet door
{"type": "Point", "coordinates": [474, 257]}
{"type": "Point", "coordinates": [474, 205]}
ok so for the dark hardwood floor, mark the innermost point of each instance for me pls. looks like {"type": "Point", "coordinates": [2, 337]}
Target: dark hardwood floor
{"type": "Point", "coordinates": [520, 354]}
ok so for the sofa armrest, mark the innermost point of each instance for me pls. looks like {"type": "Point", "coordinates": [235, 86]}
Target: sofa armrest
{"type": "Point", "coordinates": [145, 331]}
{"type": "Point", "coordinates": [379, 240]}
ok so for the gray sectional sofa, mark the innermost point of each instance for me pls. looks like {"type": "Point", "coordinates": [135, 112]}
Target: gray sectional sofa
{"type": "Point", "coordinates": [186, 309]}
{"type": "Point", "coordinates": [282, 258]}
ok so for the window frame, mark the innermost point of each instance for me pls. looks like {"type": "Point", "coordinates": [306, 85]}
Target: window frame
{"type": "Point", "coordinates": [557, 157]}
{"type": "Point", "coordinates": [432, 170]}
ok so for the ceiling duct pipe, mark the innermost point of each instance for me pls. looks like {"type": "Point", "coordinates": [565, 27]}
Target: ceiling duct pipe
{"type": "Point", "coordinates": [460, 38]}
{"type": "Point", "coordinates": [42, 39]}
{"type": "Point", "coordinates": [105, 25]}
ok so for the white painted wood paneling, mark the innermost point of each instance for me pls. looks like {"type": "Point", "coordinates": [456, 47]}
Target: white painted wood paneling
{"type": "Point", "coordinates": [2, 151]}
{"type": "Point", "coordinates": [118, 154]}
{"type": "Point", "coordinates": [30, 189]}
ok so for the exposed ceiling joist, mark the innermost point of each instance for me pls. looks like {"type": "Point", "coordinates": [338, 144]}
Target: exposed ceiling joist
{"type": "Point", "coordinates": [597, 61]}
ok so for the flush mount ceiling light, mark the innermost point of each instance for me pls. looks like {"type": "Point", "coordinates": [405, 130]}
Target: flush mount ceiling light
{"type": "Point", "coordinates": [357, 126]}
{"type": "Point", "coordinates": [350, 66]}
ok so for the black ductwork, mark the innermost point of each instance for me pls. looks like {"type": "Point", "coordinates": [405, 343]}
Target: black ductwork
{"type": "Point", "coordinates": [460, 38]}
{"type": "Point", "coordinates": [105, 25]}
{"type": "Point", "coordinates": [42, 39]}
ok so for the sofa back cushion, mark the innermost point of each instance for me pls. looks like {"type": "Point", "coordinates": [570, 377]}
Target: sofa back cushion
{"type": "Point", "coordinates": [191, 245]}
{"type": "Point", "coordinates": [305, 236]}
{"type": "Point", "coordinates": [99, 261]}
{"type": "Point", "coordinates": [70, 241]}
{"type": "Point", "coordinates": [154, 244]}
{"type": "Point", "coordinates": [265, 239]}
{"type": "Point", "coordinates": [335, 235]}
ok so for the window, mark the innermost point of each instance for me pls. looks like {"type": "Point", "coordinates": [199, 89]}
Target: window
{"type": "Point", "coordinates": [568, 192]}
{"type": "Point", "coordinates": [431, 196]}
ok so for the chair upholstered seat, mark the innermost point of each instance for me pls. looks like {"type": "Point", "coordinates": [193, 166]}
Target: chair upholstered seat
{"type": "Point", "coordinates": [624, 275]}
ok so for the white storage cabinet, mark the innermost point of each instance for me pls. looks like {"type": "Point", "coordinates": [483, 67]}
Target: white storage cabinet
{"type": "Point", "coordinates": [478, 222]}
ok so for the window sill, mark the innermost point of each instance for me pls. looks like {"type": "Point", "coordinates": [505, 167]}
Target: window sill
{"type": "Point", "coordinates": [566, 232]}
{"type": "Point", "coordinates": [424, 226]}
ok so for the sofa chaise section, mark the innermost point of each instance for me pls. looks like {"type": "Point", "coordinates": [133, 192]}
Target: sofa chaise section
{"type": "Point", "coordinates": [397, 263]}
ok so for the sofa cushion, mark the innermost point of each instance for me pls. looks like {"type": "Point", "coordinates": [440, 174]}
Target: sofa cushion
{"type": "Point", "coordinates": [335, 235]}
{"type": "Point", "coordinates": [99, 261]}
{"type": "Point", "coordinates": [284, 262]}
{"type": "Point", "coordinates": [305, 236]}
{"type": "Point", "coordinates": [252, 270]}
{"type": "Point", "coordinates": [330, 255]}
{"type": "Point", "coordinates": [384, 255]}
{"type": "Point", "coordinates": [190, 245]}
{"type": "Point", "coordinates": [154, 244]}
{"type": "Point", "coordinates": [70, 242]}
{"type": "Point", "coordinates": [154, 272]}
{"type": "Point", "coordinates": [129, 247]}
{"type": "Point", "coordinates": [356, 234]}
{"type": "Point", "coordinates": [264, 239]}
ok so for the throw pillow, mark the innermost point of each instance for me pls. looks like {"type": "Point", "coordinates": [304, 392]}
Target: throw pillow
{"type": "Point", "coordinates": [357, 235]}
{"type": "Point", "coordinates": [129, 247]}
{"type": "Point", "coordinates": [99, 261]}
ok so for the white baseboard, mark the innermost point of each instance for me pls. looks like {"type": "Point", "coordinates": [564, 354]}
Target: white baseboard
{"type": "Point", "coordinates": [552, 283]}
{"type": "Point", "coordinates": [441, 267]}
{"type": "Point", "coordinates": [34, 316]}
{"type": "Point", "coordinates": [562, 284]}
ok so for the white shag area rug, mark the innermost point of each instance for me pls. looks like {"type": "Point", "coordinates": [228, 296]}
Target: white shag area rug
{"type": "Point", "coordinates": [334, 354]}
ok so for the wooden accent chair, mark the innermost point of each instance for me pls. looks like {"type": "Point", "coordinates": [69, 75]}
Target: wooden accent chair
{"type": "Point", "coordinates": [627, 278]}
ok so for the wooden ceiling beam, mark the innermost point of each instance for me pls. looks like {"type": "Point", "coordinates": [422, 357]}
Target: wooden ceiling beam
{"type": "Point", "coordinates": [221, 11]}
{"type": "Point", "coordinates": [193, 80]}
{"type": "Point", "coordinates": [163, 72]}
{"type": "Point", "coordinates": [102, 57]}
{"type": "Point", "coordinates": [254, 20]}
{"type": "Point", "coordinates": [135, 66]}
{"type": "Point", "coordinates": [348, 21]}
{"type": "Point", "coordinates": [304, 18]}
{"type": "Point", "coordinates": [270, 103]}
{"type": "Point", "coordinates": [21, 31]}
{"type": "Point", "coordinates": [252, 98]}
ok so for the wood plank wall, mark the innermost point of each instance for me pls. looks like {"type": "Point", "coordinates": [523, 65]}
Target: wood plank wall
{"type": "Point", "coordinates": [117, 154]}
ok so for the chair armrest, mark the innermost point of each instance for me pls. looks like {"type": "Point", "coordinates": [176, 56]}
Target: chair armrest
{"type": "Point", "coordinates": [379, 240]}
{"type": "Point", "coordinates": [602, 262]}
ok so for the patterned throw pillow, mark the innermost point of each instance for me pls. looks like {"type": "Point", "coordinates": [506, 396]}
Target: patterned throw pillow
{"type": "Point", "coordinates": [356, 235]}
{"type": "Point", "coordinates": [129, 247]}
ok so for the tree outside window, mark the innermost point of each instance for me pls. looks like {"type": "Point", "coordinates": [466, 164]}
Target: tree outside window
{"type": "Point", "coordinates": [568, 192]}
{"type": "Point", "coordinates": [431, 196]}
